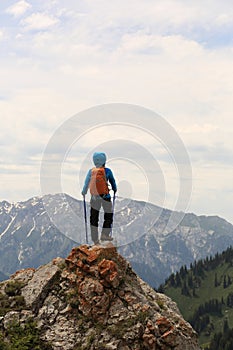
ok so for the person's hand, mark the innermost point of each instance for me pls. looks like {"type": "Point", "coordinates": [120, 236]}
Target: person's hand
{"type": "Point", "coordinates": [83, 193]}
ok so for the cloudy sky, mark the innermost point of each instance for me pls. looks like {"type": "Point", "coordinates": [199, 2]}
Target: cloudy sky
{"type": "Point", "coordinates": [60, 57]}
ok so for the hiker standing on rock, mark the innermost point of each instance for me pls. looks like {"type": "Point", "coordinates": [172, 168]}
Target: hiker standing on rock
{"type": "Point", "coordinates": [97, 181]}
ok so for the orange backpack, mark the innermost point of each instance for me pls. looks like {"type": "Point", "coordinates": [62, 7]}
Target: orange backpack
{"type": "Point", "coordinates": [98, 183]}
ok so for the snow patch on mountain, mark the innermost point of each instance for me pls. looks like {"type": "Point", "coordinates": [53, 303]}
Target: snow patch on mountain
{"type": "Point", "coordinates": [20, 255]}
{"type": "Point", "coordinates": [16, 229]}
{"type": "Point", "coordinates": [8, 226]}
{"type": "Point", "coordinates": [33, 228]}
{"type": "Point", "coordinates": [41, 228]}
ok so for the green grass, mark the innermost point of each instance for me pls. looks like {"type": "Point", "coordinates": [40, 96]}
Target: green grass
{"type": "Point", "coordinates": [23, 338]}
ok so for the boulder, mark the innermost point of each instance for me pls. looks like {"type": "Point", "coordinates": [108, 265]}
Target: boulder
{"type": "Point", "coordinates": [94, 300]}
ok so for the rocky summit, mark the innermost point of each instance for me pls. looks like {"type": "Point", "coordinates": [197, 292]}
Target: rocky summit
{"type": "Point", "coordinates": [91, 300]}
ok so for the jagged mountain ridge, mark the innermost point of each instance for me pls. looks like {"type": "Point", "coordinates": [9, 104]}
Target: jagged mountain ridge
{"type": "Point", "coordinates": [91, 300]}
{"type": "Point", "coordinates": [29, 238]}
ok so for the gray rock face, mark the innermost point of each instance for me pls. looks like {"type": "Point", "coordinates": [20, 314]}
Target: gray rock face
{"type": "Point", "coordinates": [94, 300]}
{"type": "Point", "coordinates": [39, 285]}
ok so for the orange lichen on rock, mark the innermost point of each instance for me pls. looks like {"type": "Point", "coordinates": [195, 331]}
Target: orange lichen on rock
{"type": "Point", "coordinates": [164, 324]}
{"type": "Point", "coordinates": [94, 295]}
{"type": "Point", "coordinates": [89, 269]}
{"type": "Point", "coordinates": [109, 272]}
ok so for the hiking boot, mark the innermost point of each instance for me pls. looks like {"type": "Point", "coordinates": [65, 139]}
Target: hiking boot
{"type": "Point", "coordinates": [106, 238]}
{"type": "Point", "coordinates": [96, 242]}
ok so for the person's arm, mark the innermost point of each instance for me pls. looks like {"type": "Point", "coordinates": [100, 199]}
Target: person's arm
{"type": "Point", "coordinates": [111, 179]}
{"type": "Point", "coordinates": [86, 183]}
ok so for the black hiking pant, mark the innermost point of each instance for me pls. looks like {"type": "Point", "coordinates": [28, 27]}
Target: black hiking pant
{"type": "Point", "coordinates": [96, 203]}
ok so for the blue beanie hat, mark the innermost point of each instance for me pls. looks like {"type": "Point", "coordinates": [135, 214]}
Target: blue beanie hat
{"type": "Point", "coordinates": [99, 159]}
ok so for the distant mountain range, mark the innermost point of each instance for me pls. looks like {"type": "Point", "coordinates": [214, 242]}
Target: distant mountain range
{"type": "Point", "coordinates": [41, 228]}
{"type": "Point", "coordinates": [3, 276]}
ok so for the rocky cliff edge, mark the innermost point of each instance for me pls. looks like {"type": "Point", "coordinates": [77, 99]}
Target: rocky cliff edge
{"type": "Point", "coordinates": [93, 300]}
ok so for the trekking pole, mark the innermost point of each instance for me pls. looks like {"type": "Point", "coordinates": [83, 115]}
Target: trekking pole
{"type": "Point", "coordinates": [85, 216]}
{"type": "Point", "coordinates": [113, 207]}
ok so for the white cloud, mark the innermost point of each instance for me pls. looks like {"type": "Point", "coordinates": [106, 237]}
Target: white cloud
{"type": "Point", "coordinates": [18, 8]}
{"type": "Point", "coordinates": [39, 21]}
{"type": "Point", "coordinates": [176, 47]}
{"type": "Point", "coordinates": [146, 53]}
{"type": "Point", "coordinates": [224, 19]}
{"type": "Point", "coordinates": [167, 16]}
